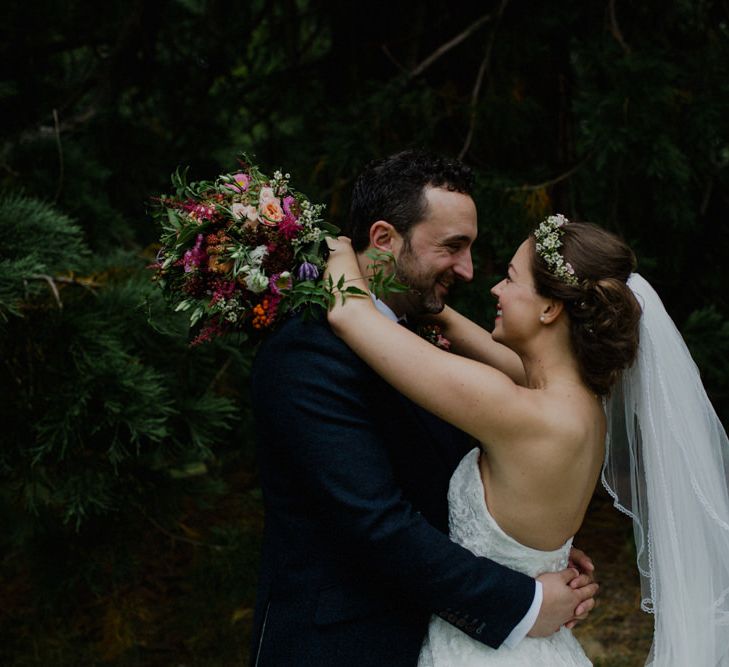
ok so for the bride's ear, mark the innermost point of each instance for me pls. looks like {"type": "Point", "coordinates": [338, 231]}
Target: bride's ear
{"type": "Point", "coordinates": [551, 311]}
{"type": "Point", "coordinates": [384, 237]}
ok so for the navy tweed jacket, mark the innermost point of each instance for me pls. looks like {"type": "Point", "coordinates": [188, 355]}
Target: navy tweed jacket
{"type": "Point", "coordinates": [356, 555]}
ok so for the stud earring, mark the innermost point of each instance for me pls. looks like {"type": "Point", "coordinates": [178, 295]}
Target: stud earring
{"type": "Point", "coordinates": [541, 318]}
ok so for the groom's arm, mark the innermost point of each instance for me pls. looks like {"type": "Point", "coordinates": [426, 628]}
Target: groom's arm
{"type": "Point", "coordinates": [324, 422]}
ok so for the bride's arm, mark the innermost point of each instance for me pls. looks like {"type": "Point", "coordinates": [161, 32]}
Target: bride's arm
{"type": "Point", "coordinates": [479, 400]}
{"type": "Point", "coordinates": [470, 340]}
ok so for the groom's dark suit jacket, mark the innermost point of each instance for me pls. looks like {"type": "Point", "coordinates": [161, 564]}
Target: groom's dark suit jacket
{"type": "Point", "coordinates": [356, 555]}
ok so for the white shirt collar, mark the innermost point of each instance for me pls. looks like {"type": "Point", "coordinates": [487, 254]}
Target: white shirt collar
{"type": "Point", "coordinates": [388, 312]}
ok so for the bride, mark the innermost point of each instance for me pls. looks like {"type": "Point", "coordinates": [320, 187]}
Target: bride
{"type": "Point", "coordinates": [534, 393]}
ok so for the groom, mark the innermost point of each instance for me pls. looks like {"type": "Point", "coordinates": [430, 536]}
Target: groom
{"type": "Point", "coordinates": [356, 555]}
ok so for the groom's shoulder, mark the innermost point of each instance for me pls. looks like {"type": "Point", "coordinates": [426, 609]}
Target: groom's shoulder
{"type": "Point", "coordinates": [301, 329]}
{"type": "Point", "coordinates": [304, 339]}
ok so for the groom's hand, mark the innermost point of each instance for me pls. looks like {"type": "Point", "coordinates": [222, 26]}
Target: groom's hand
{"type": "Point", "coordinates": [583, 563]}
{"type": "Point", "coordinates": [560, 602]}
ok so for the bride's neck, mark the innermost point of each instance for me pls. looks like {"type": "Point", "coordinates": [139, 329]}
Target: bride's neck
{"type": "Point", "coordinates": [549, 366]}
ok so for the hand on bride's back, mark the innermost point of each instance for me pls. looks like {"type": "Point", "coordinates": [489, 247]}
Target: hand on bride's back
{"type": "Point", "coordinates": [561, 603]}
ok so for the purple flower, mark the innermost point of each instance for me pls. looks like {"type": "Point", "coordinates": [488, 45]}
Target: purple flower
{"type": "Point", "coordinates": [308, 271]}
{"type": "Point", "coordinates": [279, 282]}
{"type": "Point", "coordinates": [287, 201]}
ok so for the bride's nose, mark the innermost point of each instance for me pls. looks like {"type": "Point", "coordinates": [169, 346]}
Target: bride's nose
{"type": "Point", "coordinates": [496, 289]}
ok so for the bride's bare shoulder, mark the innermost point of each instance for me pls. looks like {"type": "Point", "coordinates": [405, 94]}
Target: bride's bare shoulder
{"type": "Point", "coordinates": [569, 420]}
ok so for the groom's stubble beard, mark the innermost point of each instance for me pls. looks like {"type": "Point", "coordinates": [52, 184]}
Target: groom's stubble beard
{"type": "Point", "coordinates": [422, 298]}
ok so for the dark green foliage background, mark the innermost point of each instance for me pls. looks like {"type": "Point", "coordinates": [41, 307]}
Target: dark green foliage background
{"type": "Point", "coordinates": [127, 478]}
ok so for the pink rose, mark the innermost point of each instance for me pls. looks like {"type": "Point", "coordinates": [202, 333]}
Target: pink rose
{"type": "Point", "coordinates": [242, 181]}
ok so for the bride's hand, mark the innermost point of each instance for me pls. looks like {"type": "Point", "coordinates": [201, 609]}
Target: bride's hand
{"type": "Point", "coordinates": [342, 260]}
{"type": "Point", "coordinates": [560, 602]}
{"type": "Point", "coordinates": [342, 264]}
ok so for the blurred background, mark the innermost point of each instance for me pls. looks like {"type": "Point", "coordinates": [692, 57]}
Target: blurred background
{"type": "Point", "coordinates": [129, 502]}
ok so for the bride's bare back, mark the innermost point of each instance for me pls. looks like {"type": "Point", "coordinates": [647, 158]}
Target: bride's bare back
{"type": "Point", "coordinates": [538, 487]}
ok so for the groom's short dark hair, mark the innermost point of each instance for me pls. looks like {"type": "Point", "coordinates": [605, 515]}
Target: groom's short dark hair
{"type": "Point", "coordinates": [391, 189]}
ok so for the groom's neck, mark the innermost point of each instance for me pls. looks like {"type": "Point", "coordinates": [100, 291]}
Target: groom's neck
{"type": "Point", "coordinates": [392, 300]}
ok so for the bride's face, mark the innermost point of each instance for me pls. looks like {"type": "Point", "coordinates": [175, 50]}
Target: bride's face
{"type": "Point", "coordinates": [518, 304]}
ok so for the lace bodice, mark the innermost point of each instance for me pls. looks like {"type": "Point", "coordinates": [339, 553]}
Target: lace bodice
{"type": "Point", "coordinates": [473, 527]}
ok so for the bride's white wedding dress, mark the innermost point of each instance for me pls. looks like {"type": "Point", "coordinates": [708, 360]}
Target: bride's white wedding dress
{"type": "Point", "coordinates": [474, 528]}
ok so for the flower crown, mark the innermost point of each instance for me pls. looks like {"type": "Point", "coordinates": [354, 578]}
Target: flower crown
{"type": "Point", "coordinates": [549, 240]}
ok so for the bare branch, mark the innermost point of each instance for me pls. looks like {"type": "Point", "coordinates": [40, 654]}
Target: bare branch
{"type": "Point", "coordinates": [551, 181]}
{"type": "Point", "coordinates": [479, 81]}
{"type": "Point", "coordinates": [615, 28]}
{"type": "Point", "coordinates": [58, 128]}
{"type": "Point", "coordinates": [221, 371]}
{"type": "Point", "coordinates": [392, 58]}
{"type": "Point", "coordinates": [707, 196]}
{"type": "Point", "coordinates": [52, 285]}
{"type": "Point", "coordinates": [70, 280]}
{"type": "Point", "coordinates": [183, 538]}
{"type": "Point", "coordinates": [444, 48]}
{"type": "Point", "coordinates": [67, 280]}
{"type": "Point", "coordinates": [56, 125]}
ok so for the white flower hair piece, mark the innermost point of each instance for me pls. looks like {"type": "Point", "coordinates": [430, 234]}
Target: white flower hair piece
{"type": "Point", "coordinates": [549, 240]}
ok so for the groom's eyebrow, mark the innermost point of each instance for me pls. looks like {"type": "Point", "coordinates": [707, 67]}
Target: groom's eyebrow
{"type": "Point", "coordinates": [511, 268]}
{"type": "Point", "coordinates": [458, 238]}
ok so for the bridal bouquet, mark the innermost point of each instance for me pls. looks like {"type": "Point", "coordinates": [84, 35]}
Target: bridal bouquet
{"type": "Point", "coordinates": [241, 251]}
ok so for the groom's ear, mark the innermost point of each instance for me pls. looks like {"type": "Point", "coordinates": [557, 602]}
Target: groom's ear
{"type": "Point", "coordinates": [384, 237]}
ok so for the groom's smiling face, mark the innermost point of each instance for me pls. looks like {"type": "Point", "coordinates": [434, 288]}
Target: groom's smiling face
{"type": "Point", "coordinates": [437, 252]}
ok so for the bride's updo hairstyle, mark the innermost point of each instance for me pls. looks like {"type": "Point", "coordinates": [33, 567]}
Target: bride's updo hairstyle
{"type": "Point", "coordinates": [603, 311]}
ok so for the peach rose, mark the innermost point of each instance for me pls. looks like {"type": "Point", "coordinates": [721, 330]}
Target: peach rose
{"type": "Point", "coordinates": [270, 213]}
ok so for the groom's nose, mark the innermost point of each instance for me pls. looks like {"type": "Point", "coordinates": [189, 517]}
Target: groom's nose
{"type": "Point", "coordinates": [463, 267]}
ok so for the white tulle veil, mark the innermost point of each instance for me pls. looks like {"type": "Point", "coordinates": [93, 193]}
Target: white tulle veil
{"type": "Point", "coordinates": [667, 466]}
